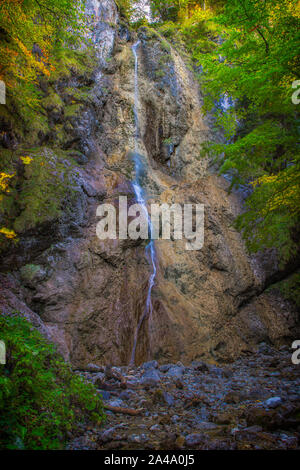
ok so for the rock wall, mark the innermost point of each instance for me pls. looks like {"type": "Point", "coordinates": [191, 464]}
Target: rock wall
{"type": "Point", "coordinates": [87, 295]}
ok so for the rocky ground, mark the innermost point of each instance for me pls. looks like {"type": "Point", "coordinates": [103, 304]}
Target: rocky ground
{"type": "Point", "coordinates": [253, 403]}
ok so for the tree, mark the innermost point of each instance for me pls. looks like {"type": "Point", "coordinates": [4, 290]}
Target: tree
{"type": "Point", "coordinates": [260, 63]}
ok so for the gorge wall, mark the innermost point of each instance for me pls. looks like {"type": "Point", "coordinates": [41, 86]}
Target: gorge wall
{"type": "Point", "coordinates": [87, 295]}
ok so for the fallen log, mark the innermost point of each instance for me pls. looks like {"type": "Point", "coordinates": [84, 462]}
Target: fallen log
{"type": "Point", "coordinates": [126, 411]}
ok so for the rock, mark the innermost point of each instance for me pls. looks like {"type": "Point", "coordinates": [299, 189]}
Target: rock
{"type": "Point", "coordinates": [168, 398]}
{"type": "Point", "coordinates": [104, 394]}
{"type": "Point", "coordinates": [253, 429]}
{"type": "Point", "coordinates": [180, 441]}
{"type": "Point", "coordinates": [94, 368]}
{"type": "Point", "coordinates": [264, 348]}
{"type": "Point", "coordinates": [233, 397]}
{"type": "Point", "coordinates": [164, 368]}
{"type": "Point", "coordinates": [150, 378]}
{"type": "Point", "coordinates": [108, 434]}
{"type": "Point", "coordinates": [98, 379]}
{"type": "Point", "coordinates": [228, 373]}
{"type": "Point", "coordinates": [82, 443]}
{"type": "Point", "coordinates": [150, 365]}
{"type": "Point", "coordinates": [217, 371]}
{"type": "Point", "coordinates": [206, 426]}
{"type": "Point", "coordinates": [194, 440]}
{"type": "Point", "coordinates": [273, 402]}
{"type": "Point", "coordinates": [176, 372]}
{"type": "Point", "coordinates": [126, 395]}
{"type": "Point", "coordinates": [262, 417]}
{"type": "Point", "coordinates": [225, 417]}
{"type": "Point", "coordinates": [138, 438]}
{"type": "Point", "coordinates": [179, 384]}
{"type": "Point", "coordinates": [116, 403]}
{"type": "Point", "coordinates": [32, 274]}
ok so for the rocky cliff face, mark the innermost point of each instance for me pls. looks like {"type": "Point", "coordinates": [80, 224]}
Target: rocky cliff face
{"type": "Point", "coordinates": [88, 295]}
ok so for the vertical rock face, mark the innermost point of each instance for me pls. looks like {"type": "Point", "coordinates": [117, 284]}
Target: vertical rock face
{"type": "Point", "coordinates": [89, 294]}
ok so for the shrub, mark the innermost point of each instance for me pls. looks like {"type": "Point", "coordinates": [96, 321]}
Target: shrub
{"type": "Point", "coordinates": [40, 398]}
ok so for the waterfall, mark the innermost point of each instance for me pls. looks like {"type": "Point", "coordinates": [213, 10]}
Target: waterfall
{"type": "Point", "coordinates": [141, 199]}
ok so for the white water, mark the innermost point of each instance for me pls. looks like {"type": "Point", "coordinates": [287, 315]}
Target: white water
{"type": "Point", "coordinates": [141, 199]}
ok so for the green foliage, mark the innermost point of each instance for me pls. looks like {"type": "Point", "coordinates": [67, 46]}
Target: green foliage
{"type": "Point", "coordinates": [40, 398]}
{"type": "Point", "coordinates": [124, 7]}
{"type": "Point", "coordinates": [32, 34]}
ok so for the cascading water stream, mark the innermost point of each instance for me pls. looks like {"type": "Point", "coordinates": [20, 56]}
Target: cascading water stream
{"type": "Point", "coordinates": [141, 199]}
